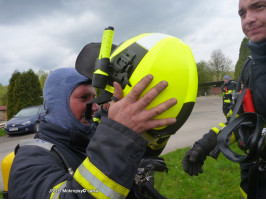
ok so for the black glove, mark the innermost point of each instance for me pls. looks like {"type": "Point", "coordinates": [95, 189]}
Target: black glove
{"type": "Point", "coordinates": [194, 160]}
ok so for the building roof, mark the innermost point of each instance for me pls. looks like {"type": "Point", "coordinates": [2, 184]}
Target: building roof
{"type": "Point", "coordinates": [2, 108]}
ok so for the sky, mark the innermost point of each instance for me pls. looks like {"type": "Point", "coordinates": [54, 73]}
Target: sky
{"type": "Point", "coordinates": [49, 34]}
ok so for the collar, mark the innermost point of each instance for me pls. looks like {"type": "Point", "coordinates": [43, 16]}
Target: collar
{"type": "Point", "coordinates": [59, 136]}
{"type": "Point", "coordinates": [258, 50]}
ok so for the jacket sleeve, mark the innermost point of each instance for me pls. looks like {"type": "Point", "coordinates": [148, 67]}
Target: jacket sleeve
{"type": "Point", "coordinates": [209, 140]}
{"type": "Point", "coordinates": [113, 156]}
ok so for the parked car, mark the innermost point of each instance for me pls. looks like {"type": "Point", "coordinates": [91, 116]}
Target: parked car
{"type": "Point", "coordinates": [25, 121]}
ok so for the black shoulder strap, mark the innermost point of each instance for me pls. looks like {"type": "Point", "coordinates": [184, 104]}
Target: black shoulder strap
{"type": "Point", "coordinates": [239, 100]}
{"type": "Point", "coordinates": [245, 74]}
{"type": "Point", "coordinates": [48, 146]}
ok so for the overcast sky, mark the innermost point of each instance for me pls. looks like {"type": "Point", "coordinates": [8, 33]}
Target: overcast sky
{"type": "Point", "coordinates": [48, 34]}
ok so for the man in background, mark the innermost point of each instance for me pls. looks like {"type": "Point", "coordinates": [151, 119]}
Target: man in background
{"type": "Point", "coordinates": [228, 89]}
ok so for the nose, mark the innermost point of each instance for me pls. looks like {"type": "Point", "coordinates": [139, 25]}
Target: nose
{"type": "Point", "coordinates": [250, 18]}
{"type": "Point", "coordinates": [95, 107]}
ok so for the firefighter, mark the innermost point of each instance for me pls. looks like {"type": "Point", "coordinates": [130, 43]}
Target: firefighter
{"type": "Point", "coordinates": [100, 168]}
{"type": "Point", "coordinates": [228, 88]}
{"type": "Point", "coordinates": [70, 157]}
{"type": "Point", "coordinates": [253, 20]}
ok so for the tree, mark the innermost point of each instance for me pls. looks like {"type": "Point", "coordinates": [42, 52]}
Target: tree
{"type": "Point", "coordinates": [42, 77]}
{"type": "Point", "coordinates": [3, 95]}
{"type": "Point", "coordinates": [204, 72]}
{"type": "Point", "coordinates": [11, 98]}
{"type": "Point", "coordinates": [26, 91]}
{"type": "Point", "coordinates": [219, 64]}
{"type": "Point", "coordinates": [244, 52]}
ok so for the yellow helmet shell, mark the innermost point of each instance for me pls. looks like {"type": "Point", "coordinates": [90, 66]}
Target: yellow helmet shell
{"type": "Point", "coordinates": [166, 58]}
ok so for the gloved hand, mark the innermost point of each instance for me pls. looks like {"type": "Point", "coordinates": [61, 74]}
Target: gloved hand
{"type": "Point", "coordinates": [194, 160]}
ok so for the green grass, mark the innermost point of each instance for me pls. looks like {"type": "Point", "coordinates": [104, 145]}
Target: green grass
{"type": "Point", "coordinates": [1, 196]}
{"type": "Point", "coordinates": [220, 179]}
{"type": "Point", "coordinates": [2, 132]}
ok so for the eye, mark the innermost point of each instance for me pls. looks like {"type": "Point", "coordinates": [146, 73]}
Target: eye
{"type": "Point", "coordinates": [242, 13]}
{"type": "Point", "coordinates": [84, 98]}
{"type": "Point", "coordinates": [260, 6]}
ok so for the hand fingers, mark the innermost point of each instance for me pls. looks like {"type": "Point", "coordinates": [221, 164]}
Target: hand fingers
{"type": "Point", "coordinates": [152, 94]}
{"type": "Point", "coordinates": [139, 88]}
{"type": "Point", "coordinates": [118, 92]}
{"type": "Point", "coordinates": [161, 108]}
{"type": "Point", "coordinates": [200, 170]}
{"type": "Point", "coordinates": [156, 123]}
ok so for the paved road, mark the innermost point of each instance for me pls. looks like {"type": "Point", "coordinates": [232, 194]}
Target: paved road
{"type": "Point", "coordinates": [7, 145]}
{"type": "Point", "coordinates": [207, 113]}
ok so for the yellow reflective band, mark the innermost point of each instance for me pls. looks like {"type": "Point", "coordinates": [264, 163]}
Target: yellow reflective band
{"type": "Point", "coordinates": [104, 179]}
{"type": "Point", "coordinates": [230, 113]}
{"type": "Point", "coordinates": [56, 190]}
{"type": "Point", "coordinates": [227, 101]}
{"type": "Point", "coordinates": [87, 185]}
{"type": "Point", "coordinates": [220, 127]}
{"type": "Point", "coordinates": [216, 130]}
{"type": "Point", "coordinates": [90, 177]}
{"type": "Point", "coordinates": [96, 120]}
{"type": "Point", "coordinates": [244, 195]}
{"type": "Point", "coordinates": [98, 71]}
{"type": "Point", "coordinates": [109, 88]}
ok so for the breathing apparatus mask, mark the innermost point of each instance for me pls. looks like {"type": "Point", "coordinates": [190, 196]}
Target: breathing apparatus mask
{"type": "Point", "coordinates": [249, 127]}
{"type": "Point", "coordinates": [251, 134]}
{"type": "Point", "coordinates": [164, 56]}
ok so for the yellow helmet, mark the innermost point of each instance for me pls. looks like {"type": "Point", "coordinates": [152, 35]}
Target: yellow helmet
{"type": "Point", "coordinates": [166, 58]}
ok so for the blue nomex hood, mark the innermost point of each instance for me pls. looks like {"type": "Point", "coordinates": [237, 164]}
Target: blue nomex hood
{"type": "Point", "coordinates": [57, 91]}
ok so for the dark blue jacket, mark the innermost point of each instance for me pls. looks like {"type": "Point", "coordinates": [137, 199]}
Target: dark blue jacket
{"type": "Point", "coordinates": [112, 162]}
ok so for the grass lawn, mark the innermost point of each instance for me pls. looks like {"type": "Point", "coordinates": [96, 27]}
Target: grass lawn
{"type": "Point", "coordinates": [220, 179]}
{"type": "Point", "coordinates": [2, 132]}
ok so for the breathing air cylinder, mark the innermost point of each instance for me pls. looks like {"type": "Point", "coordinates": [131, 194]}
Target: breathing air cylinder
{"type": "Point", "coordinates": [6, 166]}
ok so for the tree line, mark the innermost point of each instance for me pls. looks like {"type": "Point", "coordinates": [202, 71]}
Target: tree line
{"type": "Point", "coordinates": [219, 65]}
{"type": "Point", "coordinates": [25, 89]}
